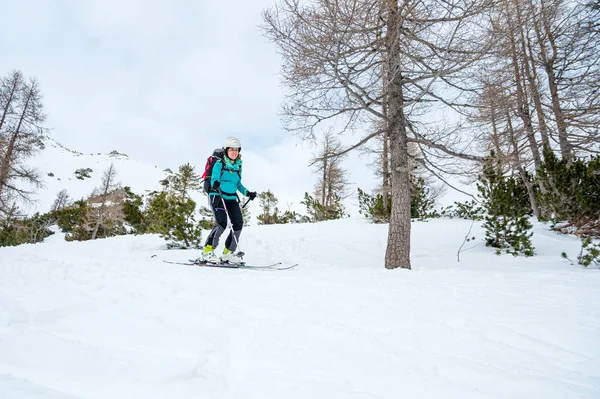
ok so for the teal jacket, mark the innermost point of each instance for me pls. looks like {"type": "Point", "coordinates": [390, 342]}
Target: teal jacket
{"type": "Point", "coordinates": [230, 175]}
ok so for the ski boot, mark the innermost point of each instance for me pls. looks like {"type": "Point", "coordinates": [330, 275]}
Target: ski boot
{"type": "Point", "coordinates": [208, 255]}
{"type": "Point", "coordinates": [232, 257]}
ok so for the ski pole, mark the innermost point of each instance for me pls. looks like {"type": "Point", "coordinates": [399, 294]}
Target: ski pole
{"type": "Point", "coordinates": [246, 203]}
{"type": "Point", "coordinates": [237, 244]}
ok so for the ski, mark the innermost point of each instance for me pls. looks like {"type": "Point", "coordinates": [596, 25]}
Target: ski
{"type": "Point", "coordinates": [276, 266]}
{"type": "Point", "coordinates": [192, 263]}
{"type": "Point", "coordinates": [273, 266]}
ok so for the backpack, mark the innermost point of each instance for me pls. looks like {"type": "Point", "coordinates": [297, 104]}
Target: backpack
{"type": "Point", "coordinates": [217, 154]}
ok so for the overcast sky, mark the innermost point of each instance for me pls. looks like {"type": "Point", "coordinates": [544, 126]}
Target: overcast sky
{"type": "Point", "coordinates": [162, 81]}
{"type": "Point", "coordinates": [165, 82]}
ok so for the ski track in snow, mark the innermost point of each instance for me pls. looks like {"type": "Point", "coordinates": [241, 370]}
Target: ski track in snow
{"type": "Point", "coordinates": [105, 319]}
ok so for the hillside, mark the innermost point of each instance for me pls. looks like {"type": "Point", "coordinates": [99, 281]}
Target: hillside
{"type": "Point", "coordinates": [109, 319]}
{"type": "Point", "coordinates": [58, 165]}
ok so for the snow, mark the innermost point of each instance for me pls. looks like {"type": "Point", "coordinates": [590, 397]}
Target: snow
{"type": "Point", "coordinates": [108, 319]}
{"type": "Point", "coordinates": [62, 163]}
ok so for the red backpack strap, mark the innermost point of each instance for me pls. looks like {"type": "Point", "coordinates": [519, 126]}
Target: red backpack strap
{"type": "Point", "coordinates": [207, 167]}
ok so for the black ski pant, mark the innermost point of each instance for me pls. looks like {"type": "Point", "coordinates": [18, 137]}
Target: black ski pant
{"type": "Point", "coordinates": [220, 212]}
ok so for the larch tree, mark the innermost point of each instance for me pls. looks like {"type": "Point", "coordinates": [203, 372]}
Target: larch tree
{"type": "Point", "coordinates": [21, 130]}
{"type": "Point", "coordinates": [378, 66]}
{"type": "Point", "coordinates": [62, 201]}
{"type": "Point", "coordinates": [567, 51]}
{"type": "Point", "coordinates": [332, 183]}
{"type": "Point", "coordinates": [105, 212]}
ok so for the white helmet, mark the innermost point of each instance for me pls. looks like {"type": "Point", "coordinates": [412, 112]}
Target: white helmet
{"type": "Point", "coordinates": [232, 142]}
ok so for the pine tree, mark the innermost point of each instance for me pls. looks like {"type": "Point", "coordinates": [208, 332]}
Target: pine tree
{"type": "Point", "coordinates": [246, 215]}
{"type": "Point", "coordinates": [11, 232]}
{"type": "Point", "coordinates": [271, 213]}
{"type": "Point", "coordinates": [132, 209]}
{"type": "Point", "coordinates": [268, 204]}
{"type": "Point", "coordinates": [318, 212]}
{"type": "Point", "coordinates": [185, 232]}
{"type": "Point", "coordinates": [422, 202]}
{"type": "Point", "coordinates": [373, 207]}
{"type": "Point", "coordinates": [158, 212]}
{"type": "Point", "coordinates": [70, 219]}
{"type": "Point", "coordinates": [590, 252]}
{"type": "Point", "coordinates": [507, 204]}
{"type": "Point", "coordinates": [206, 219]}
{"type": "Point", "coordinates": [186, 181]}
{"type": "Point", "coordinates": [17, 229]}
{"type": "Point", "coordinates": [171, 212]}
{"type": "Point", "coordinates": [573, 192]}
{"type": "Point", "coordinates": [469, 210]}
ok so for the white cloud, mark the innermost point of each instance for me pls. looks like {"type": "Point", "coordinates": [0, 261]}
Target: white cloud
{"type": "Point", "coordinates": [164, 82]}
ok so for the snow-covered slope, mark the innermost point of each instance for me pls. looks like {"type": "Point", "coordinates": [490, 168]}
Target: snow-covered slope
{"type": "Point", "coordinates": [106, 319]}
{"type": "Point", "coordinates": [62, 163]}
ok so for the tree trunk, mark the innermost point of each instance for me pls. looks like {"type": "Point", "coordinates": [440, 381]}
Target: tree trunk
{"type": "Point", "coordinates": [329, 196]}
{"type": "Point", "coordinates": [7, 161]}
{"type": "Point", "coordinates": [532, 79]}
{"type": "Point", "coordinates": [16, 79]}
{"type": "Point", "coordinates": [495, 135]}
{"type": "Point", "coordinates": [548, 61]}
{"type": "Point", "coordinates": [521, 170]}
{"type": "Point", "coordinates": [530, 73]}
{"type": "Point", "coordinates": [387, 184]}
{"type": "Point", "coordinates": [398, 249]}
{"type": "Point", "coordinates": [324, 183]}
{"type": "Point", "coordinates": [565, 146]}
{"type": "Point", "coordinates": [98, 222]}
{"type": "Point", "coordinates": [522, 100]}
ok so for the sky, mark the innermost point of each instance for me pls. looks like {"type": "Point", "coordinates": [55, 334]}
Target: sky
{"type": "Point", "coordinates": [164, 82]}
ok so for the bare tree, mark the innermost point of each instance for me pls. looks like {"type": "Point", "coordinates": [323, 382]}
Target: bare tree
{"type": "Point", "coordinates": [21, 119]}
{"type": "Point", "coordinates": [519, 110]}
{"type": "Point", "coordinates": [503, 101]}
{"type": "Point", "coordinates": [377, 63]}
{"type": "Point", "coordinates": [592, 16]}
{"type": "Point", "coordinates": [333, 180]}
{"type": "Point", "coordinates": [381, 164]}
{"type": "Point", "coordinates": [62, 201]}
{"type": "Point", "coordinates": [524, 51]}
{"type": "Point", "coordinates": [551, 49]}
{"type": "Point", "coordinates": [106, 205]}
{"type": "Point", "coordinates": [539, 86]}
{"type": "Point", "coordinates": [567, 51]}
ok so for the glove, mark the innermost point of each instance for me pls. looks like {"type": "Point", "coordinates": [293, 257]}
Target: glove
{"type": "Point", "coordinates": [251, 195]}
{"type": "Point", "coordinates": [216, 185]}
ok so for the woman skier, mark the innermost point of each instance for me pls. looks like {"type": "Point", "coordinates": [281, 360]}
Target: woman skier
{"type": "Point", "coordinates": [226, 180]}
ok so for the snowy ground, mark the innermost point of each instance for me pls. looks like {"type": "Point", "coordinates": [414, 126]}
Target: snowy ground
{"type": "Point", "coordinates": [105, 319]}
{"type": "Point", "coordinates": [57, 166]}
